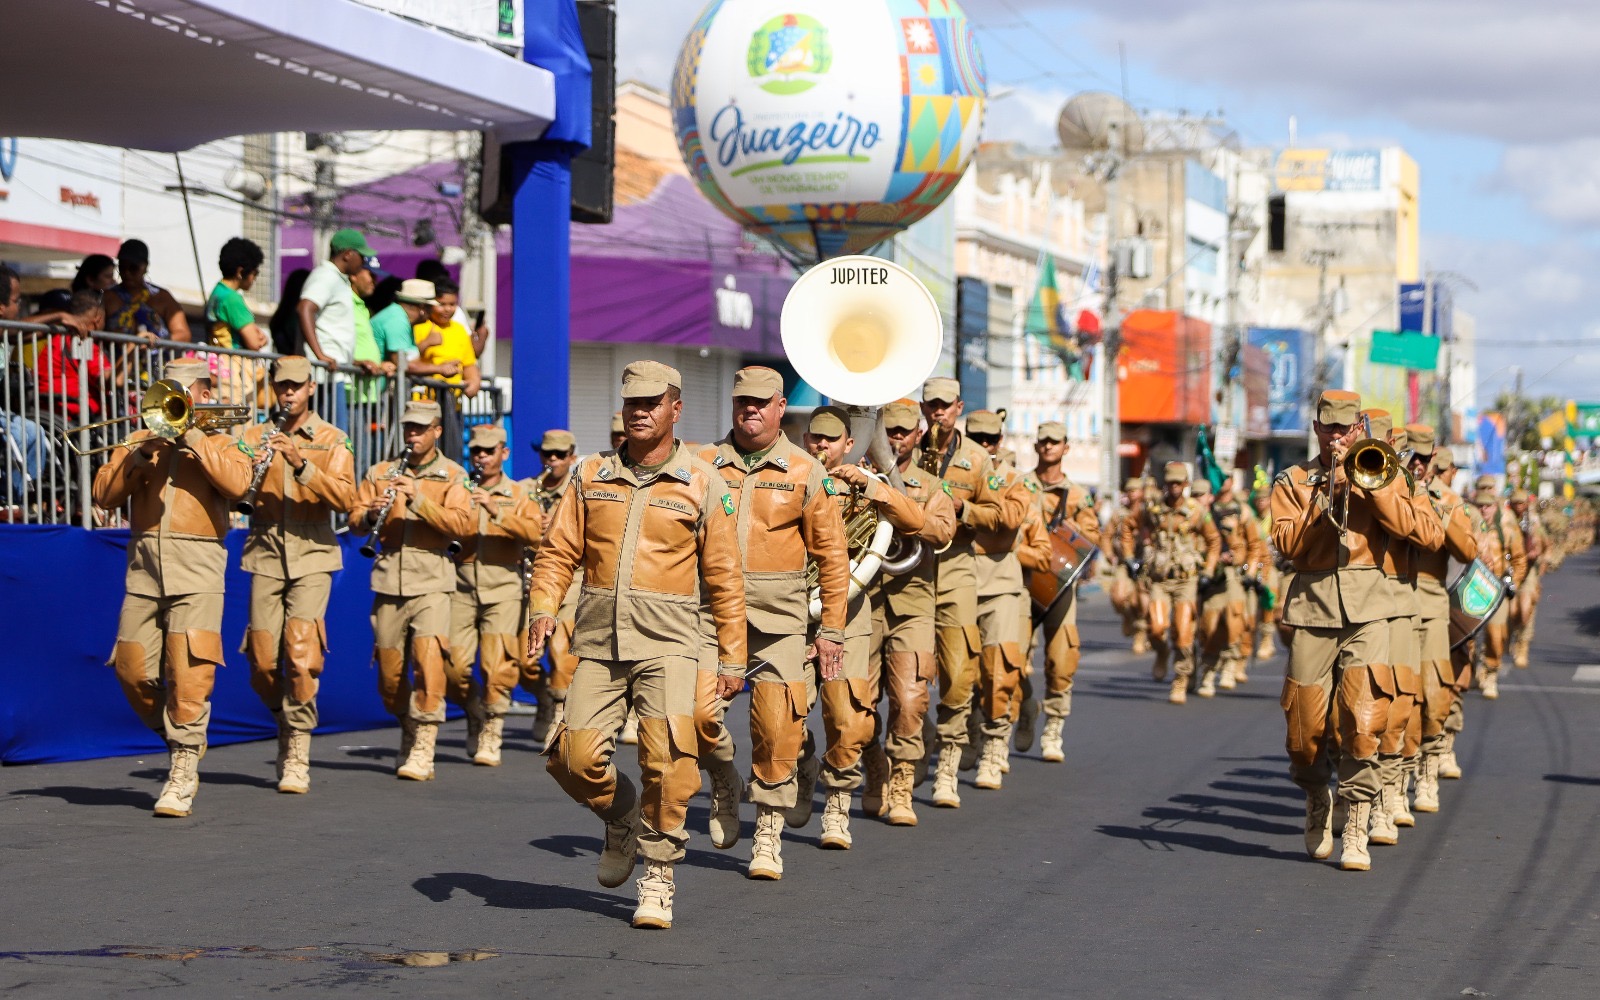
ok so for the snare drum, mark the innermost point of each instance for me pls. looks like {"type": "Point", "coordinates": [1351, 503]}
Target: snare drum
{"type": "Point", "coordinates": [1071, 554]}
{"type": "Point", "coordinates": [1475, 596]}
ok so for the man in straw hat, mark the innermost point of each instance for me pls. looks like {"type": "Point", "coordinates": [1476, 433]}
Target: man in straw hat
{"type": "Point", "coordinates": [169, 636]}
{"type": "Point", "coordinates": [291, 555]}
{"type": "Point", "coordinates": [1338, 607]}
{"type": "Point", "coordinates": [655, 528]}
{"type": "Point", "coordinates": [415, 506]}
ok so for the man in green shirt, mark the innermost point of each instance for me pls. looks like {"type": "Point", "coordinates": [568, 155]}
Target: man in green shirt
{"type": "Point", "coordinates": [229, 320]}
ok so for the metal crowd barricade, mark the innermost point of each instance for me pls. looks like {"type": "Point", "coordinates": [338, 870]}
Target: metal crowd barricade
{"type": "Point", "coordinates": [58, 384]}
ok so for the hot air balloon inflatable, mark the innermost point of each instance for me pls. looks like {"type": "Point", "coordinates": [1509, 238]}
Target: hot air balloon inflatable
{"type": "Point", "coordinates": [828, 126]}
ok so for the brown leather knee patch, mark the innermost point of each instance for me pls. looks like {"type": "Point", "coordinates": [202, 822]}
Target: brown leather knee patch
{"type": "Point", "coordinates": [427, 657]}
{"type": "Point", "coordinates": [582, 767]}
{"type": "Point", "coordinates": [669, 772]}
{"type": "Point", "coordinates": [907, 682]}
{"type": "Point", "coordinates": [1000, 682]}
{"type": "Point", "coordinates": [1363, 708]}
{"type": "Point", "coordinates": [846, 720]}
{"type": "Point", "coordinates": [143, 692]}
{"type": "Point", "coordinates": [394, 687]}
{"type": "Point", "coordinates": [1305, 711]}
{"type": "Point", "coordinates": [707, 712]}
{"type": "Point", "coordinates": [191, 675]}
{"type": "Point", "coordinates": [302, 643]}
{"type": "Point", "coordinates": [1407, 681]}
{"type": "Point", "coordinates": [261, 647]}
{"type": "Point", "coordinates": [777, 728]}
{"type": "Point", "coordinates": [206, 646]}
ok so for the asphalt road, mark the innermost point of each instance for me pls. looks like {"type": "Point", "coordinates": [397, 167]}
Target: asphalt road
{"type": "Point", "coordinates": [1164, 859]}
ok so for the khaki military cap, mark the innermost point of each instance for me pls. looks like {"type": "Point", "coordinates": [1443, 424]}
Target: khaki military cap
{"type": "Point", "coordinates": [1420, 438]}
{"type": "Point", "coordinates": [559, 440]}
{"type": "Point", "coordinates": [941, 390]}
{"type": "Point", "coordinates": [1133, 485]}
{"type": "Point", "coordinates": [617, 426]}
{"type": "Point", "coordinates": [829, 421]}
{"type": "Point", "coordinates": [1443, 461]}
{"type": "Point", "coordinates": [902, 416]}
{"type": "Point", "coordinates": [420, 411]}
{"type": "Point", "coordinates": [644, 379]}
{"type": "Point", "coordinates": [1338, 406]}
{"type": "Point", "coordinates": [1052, 430]}
{"type": "Point", "coordinates": [1380, 421]}
{"type": "Point", "coordinates": [291, 368]}
{"type": "Point", "coordinates": [186, 371]}
{"type": "Point", "coordinates": [487, 436]}
{"type": "Point", "coordinates": [1200, 487]}
{"type": "Point", "coordinates": [1484, 482]}
{"type": "Point", "coordinates": [984, 422]}
{"type": "Point", "coordinates": [1175, 472]}
{"type": "Point", "coordinates": [1484, 491]}
{"type": "Point", "coordinates": [1399, 439]}
{"type": "Point", "coordinates": [757, 382]}
{"type": "Point", "coordinates": [1520, 495]}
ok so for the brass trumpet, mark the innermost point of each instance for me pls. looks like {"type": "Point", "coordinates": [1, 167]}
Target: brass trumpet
{"type": "Point", "coordinates": [168, 411]}
{"type": "Point", "coordinates": [1371, 464]}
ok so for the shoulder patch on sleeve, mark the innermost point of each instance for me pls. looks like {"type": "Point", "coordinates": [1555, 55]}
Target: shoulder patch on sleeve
{"type": "Point", "coordinates": [239, 443]}
{"type": "Point", "coordinates": [1032, 486]}
{"type": "Point", "coordinates": [829, 486]}
{"type": "Point", "coordinates": [997, 482]}
{"type": "Point", "coordinates": [727, 504]}
{"type": "Point", "coordinates": [944, 484]}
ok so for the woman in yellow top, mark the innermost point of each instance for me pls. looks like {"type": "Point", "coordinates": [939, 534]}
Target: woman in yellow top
{"type": "Point", "coordinates": [446, 345]}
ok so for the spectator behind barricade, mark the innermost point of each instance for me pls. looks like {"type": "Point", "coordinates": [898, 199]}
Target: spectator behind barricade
{"type": "Point", "coordinates": [285, 321]}
{"type": "Point", "coordinates": [59, 367]}
{"type": "Point", "coordinates": [392, 325]}
{"type": "Point", "coordinates": [22, 441]}
{"type": "Point", "coordinates": [434, 270]}
{"type": "Point", "coordinates": [442, 340]}
{"type": "Point", "coordinates": [228, 318]}
{"type": "Point", "coordinates": [97, 272]}
{"type": "Point", "coordinates": [327, 311]}
{"type": "Point", "coordinates": [136, 306]}
{"type": "Point", "coordinates": [368, 357]}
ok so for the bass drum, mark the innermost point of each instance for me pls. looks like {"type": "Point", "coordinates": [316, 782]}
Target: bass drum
{"type": "Point", "coordinates": [1071, 555]}
{"type": "Point", "coordinates": [1475, 596]}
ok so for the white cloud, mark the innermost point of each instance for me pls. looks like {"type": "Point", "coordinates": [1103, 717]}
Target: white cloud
{"type": "Point", "coordinates": [1561, 181]}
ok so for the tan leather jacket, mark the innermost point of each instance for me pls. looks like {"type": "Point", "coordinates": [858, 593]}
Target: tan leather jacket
{"type": "Point", "coordinates": [490, 563]}
{"type": "Point", "coordinates": [180, 509]}
{"type": "Point", "coordinates": [1241, 534]}
{"type": "Point", "coordinates": [1079, 505]}
{"type": "Point", "coordinates": [414, 536]}
{"type": "Point", "coordinates": [1174, 543]}
{"type": "Point", "coordinates": [1033, 541]}
{"type": "Point", "coordinates": [922, 509]}
{"type": "Point", "coordinates": [649, 547]}
{"type": "Point", "coordinates": [966, 468]}
{"type": "Point", "coordinates": [1338, 579]}
{"type": "Point", "coordinates": [291, 528]}
{"type": "Point", "coordinates": [1460, 543]}
{"type": "Point", "coordinates": [785, 515]}
{"type": "Point", "coordinates": [1500, 545]}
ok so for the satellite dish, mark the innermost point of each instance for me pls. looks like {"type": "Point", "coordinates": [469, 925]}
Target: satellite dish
{"type": "Point", "coordinates": [1088, 120]}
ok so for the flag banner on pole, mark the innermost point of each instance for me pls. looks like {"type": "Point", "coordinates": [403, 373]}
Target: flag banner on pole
{"type": "Point", "coordinates": [1046, 324]}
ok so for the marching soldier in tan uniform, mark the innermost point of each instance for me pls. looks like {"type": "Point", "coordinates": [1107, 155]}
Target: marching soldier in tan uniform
{"type": "Point", "coordinates": [1178, 544]}
{"type": "Point", "coordinates": [1537, 551]}
{"type": "Point", "coordinates": [619, 431]}
{"type": "Point", "coordinates": [964, 468]}
{"type": "Point", "coordinates": [849, 704]}
{"type": "Point", "coordinates": [1129, 594]}
{"type": "Point", "coordinates": [1444, 471]}
{"type": "Point", "coordinates": [1272, 580]}
{"type": "Point", "coordinates": [169, 636]}
{"type": "Point", "coordinates": [291, 555]}
{"type": "Point", "coordinates": [1442, 681]}
{"type": "Point", "coordinates": [1001, 599]}
{"type": "Point", "coordinates": [1259, 589]}
{"type": "Point", "coordinates": [901, 648]}
{"type": "Point", "coordinates": [1224, 621]}
{"type": "Point", "coordinates": [558, 453]}
{"type": "Point", "coordinates": [653, 529]}
{"type": "Point", "coordinates": [415, 506]}
{"type": "Point", "coordinates": [1335, 533]}
{"type": "Point", "coordinates": [1500, 547]}
{"type": "Point", "coordinates": [486, 609]}
{"type": "Point", "coordinates": [785, 516]}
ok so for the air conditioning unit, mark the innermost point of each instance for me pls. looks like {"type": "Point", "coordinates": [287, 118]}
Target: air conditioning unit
{"type": "Point", "coordinates": [1133, 258]}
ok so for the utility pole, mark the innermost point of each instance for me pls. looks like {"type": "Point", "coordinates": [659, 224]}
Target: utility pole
{"type": "Point", "coordinates": [1111, 419]}
{"type": "Point", "coordinates": [1319, 348]}
{"type": "Point", "coordinates": [323, 193]}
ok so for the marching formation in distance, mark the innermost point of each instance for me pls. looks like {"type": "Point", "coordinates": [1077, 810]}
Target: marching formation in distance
{"type": "Point", "coordinates": [665, 579]}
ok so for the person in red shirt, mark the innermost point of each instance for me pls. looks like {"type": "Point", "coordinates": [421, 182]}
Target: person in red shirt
{"type": "Point", "coordinates": [58, 368]}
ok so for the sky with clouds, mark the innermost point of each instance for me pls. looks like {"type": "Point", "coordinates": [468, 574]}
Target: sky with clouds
{"type": "Point", "coordinates": [1495, 100]}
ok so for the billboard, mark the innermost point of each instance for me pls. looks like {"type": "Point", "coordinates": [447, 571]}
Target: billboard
{"type": "Point", "coordinates": [1413, 299]}
{"type": "Point", "coordinates": [1328, 170]}
{"type": "Point", "coordinates": [1289, 351]}
{"type": "Point", "coordinates": [1165, 368]}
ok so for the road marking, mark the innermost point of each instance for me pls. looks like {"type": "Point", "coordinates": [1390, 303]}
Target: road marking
{"type": "Point", "coordinates": [1587, 675]}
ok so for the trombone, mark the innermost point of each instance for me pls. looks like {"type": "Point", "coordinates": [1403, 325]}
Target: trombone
{"type": "Point", "coordinates": [1370, 463]}
{"type": "Point", "coordinates": [168, 411]}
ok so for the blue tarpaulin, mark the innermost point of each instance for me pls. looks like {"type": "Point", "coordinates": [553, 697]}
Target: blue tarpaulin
{"type": "Point", "coordinates": [61, 588]}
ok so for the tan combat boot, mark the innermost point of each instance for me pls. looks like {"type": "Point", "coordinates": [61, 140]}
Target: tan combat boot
{"type": "Point", "coordinates": [1490, 684]}
{"type": "Point", "coordinates": [1022, 732]}
{"type": "Point", "coordinates": [726, 790]}
{"type": "Point", "coordinates": [1268, 647]}
{"type": "Point", "coordinates": [544, 720]}
{"type": "Point", "coordinates": [1381, 828]}
{"type": "Point", "coordinates": [283, 744]}
{"type": "Point", "coordinates": [766, 849]}
{"type": "Point", "coordinates": [655, 897]}
{"type": "Point", "coordinates": [1158, 669]}
{"type": "Point", "coordinates": [901, 812]}
{"type": "Point", "coordinates": [1207, 688]}
{"type": "Point", "coordinates": [1005, 756]}
{"type": "Point", "coordinates": [989, 764]}
{"type": "Point", "coordinates": [1341, 813]}
{"type": "Point", "coordinates": [183, 781]}
{"type": "Point", "coordinates": [875, 787]}
{"type": "Point", "coordinates": [969, 749]}
{"type": "Point", "coordinates": [1319, 827]}
{"type": "Point", "coordinates": [945, 781]}
{"type": "Point", "coordinates": [408, 736]}
{"type": "Point", "coordinates": [930, 747]}
{"type": "Point", "coordinates": [489, 742]}
{"type": "Point", "coordinates": [621, 849]}
{"type": "Point", "coordinates": [1240, 674]}
{"type": "Point", "coordinates": [1226, 681]}
{"type": "Point", "coordinates": [630, 729]}
{"type": "Point", "coordinates": [1428, 785]}
{"type": "Point", "coordinates": [1178, 693]}
{"type": "Point", "coordinates": [1449, 770]}
{"type": "Point", "coordinates": [806, 773]}
{"type": "Point", "coordinates": [558, 715]}
{"type": "Point", "coordinates": [836, 820]}
{"type": "Point", "coordinates": [1050, 749]}
{"type": "Point", "coordinates": [296, 778]}
{"type": "Point", "coordinates": [1353, 856]}
{"type": "Point", "coordinates": [1141, 644]}
{"type": "Point", "coordinates": [1399, 807]}
{"type": "Point", "coordinates": [418, 764]}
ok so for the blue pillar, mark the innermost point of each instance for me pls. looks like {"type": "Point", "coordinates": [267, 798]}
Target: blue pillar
{"type": "Point", "coordinates": [541, 179]}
